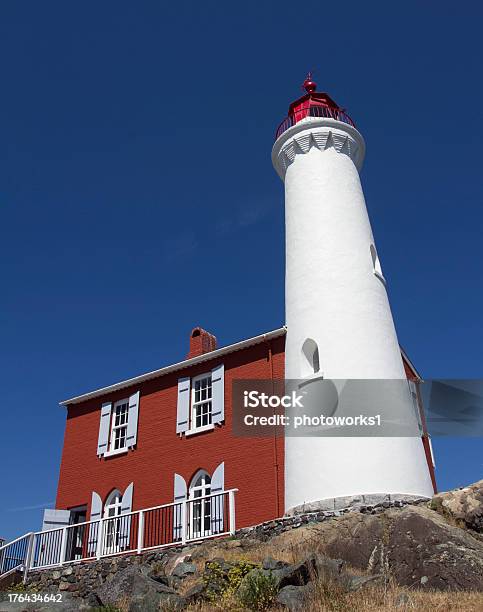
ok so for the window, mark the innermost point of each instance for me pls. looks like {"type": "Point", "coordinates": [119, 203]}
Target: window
{"type": "Point", "coordinates": [376, 264]}
{"type": "Point", "coordinates": [201, 402]}
{"type": "Point", "coordinates": [119, 425]}
{"type": "Point", "coordinates": [113, 505]}
{"type": "Point", "coordinates": [112, 509]}
{"type": "Point", "coordinates": [200, 511]}
{"type": "Point", "coordinates": [310, 358]}
{"type": "Point", "coordinates": [413, 390]}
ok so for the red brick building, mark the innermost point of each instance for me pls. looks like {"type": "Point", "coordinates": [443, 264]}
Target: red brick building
{"type": "Point", "coordinates": [165, 435]}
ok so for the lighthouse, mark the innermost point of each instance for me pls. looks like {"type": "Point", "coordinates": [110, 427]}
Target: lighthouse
{"type": "Point", "coordinates": [338, 317]}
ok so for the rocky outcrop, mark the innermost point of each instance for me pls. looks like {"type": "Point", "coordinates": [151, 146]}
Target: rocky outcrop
{"type": "Point", "coordinates": [415, 545]}
{"type": "Point", "coordinates": [464, 506]}
{"type": "Point", "coordinates": [424, 550]}
{"type": "Point", "coordinates": [421, 546]}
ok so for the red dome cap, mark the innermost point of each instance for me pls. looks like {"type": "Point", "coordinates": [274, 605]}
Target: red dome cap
{"type": "Point", "coordinates": [309, 85]}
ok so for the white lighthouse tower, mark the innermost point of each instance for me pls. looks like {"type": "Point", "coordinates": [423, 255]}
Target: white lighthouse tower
{"type": "Point", "coordinates": [339, 322]}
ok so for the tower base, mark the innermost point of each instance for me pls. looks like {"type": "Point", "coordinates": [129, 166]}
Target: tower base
{"type": "Point", "coordinates": [332, 504]}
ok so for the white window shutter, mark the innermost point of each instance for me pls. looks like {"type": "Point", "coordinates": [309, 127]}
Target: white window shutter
{"type": "Point", "coordinates": [183, 411]}
{"type": "Point", "coordinates": [218, 502]}
{"type": "Point", "coordinates": [125, 523]}
{"type": "Point", "coordinates": [53, 519]}
{"type": "Point", "coordinates": [132, 420]}
{"type": "Point", "coordinates": [218, 394]}
{"type": "Point", "coordinates": [104, 428]}
{"type": "Point", "coordinates": [126, 503]}
{"type": "Point", "coordinates": [180, 493]}
{"type": "Point", "coordinates": [48, 551]}
{"type": "Point", "coordinates": [96, 514]}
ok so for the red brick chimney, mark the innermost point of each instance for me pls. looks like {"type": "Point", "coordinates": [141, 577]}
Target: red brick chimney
{"type": "Point", "coordinates": [201, 342]}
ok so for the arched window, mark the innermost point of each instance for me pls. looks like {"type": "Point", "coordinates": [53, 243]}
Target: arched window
{"type": "Point", "coordinates": [310, 358]}
{"type": "Point", "coordinates": [112, 509]}
{"type": "Point", "coordinates": [376, 264]}
{"type": "Point", "coordinates": [200, 511]}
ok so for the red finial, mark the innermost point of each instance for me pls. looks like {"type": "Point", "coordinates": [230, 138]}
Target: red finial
{"type": "Point", "coordinates": [309, 85]}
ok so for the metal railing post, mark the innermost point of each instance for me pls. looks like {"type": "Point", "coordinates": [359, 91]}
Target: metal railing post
{"type": "Point", "coordinates": [99, 539]}
{"type": "Point", "coordinates": [231, 504]}
{"type": "Point", "coordinates": [28, 556]}
{"type": "Point", "coordinates": [141, 531]}
{"type": "Point", "coordinates": [63, 546]}
{"type": "Point", "coordinates": [184, 523]}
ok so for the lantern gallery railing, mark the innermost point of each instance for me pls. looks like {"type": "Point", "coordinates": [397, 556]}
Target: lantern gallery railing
{"type": "Point", "coordinates": [315, 110]}
{"type": "Point", "coordinates": [176, 523]}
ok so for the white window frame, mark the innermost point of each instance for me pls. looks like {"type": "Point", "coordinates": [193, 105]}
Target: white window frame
{"type": "Point", "coordinates": [112, 526]}
{"type": "Point", "coordinates": [113, 428]}
{"type": "Point", "coordinates": [195, 404]}
{"type": "Point", "coordinates": [200, 511]}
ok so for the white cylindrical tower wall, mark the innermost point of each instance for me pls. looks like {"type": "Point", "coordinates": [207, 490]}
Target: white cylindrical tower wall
{"type": "Point", "coordinates": [336, 299]}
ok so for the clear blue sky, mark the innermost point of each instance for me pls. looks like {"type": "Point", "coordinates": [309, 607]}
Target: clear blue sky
{"type": "Point", "coordinates": [138, 198]}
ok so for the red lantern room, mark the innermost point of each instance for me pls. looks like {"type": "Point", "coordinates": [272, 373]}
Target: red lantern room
{"type": "Point", "coordinates": [312, 104]}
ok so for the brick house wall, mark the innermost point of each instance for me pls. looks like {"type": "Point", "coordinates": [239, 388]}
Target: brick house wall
{"type": "Point", "coordinates": [253, 465]}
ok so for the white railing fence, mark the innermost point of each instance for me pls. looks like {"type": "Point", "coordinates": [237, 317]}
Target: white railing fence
{"type": "Point", "coordinates": [176, 523]}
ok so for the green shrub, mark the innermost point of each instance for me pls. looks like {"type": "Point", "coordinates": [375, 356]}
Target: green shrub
{"type": "Point", "coordinates": [258, 590]}
{"type": "Point", "coordinates": [222, 584]}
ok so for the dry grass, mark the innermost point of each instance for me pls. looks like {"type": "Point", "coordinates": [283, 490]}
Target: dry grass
{"type": "Point", "coordinates": [291, 552]}
{"type": "Point", "coordinates": [330, 598]}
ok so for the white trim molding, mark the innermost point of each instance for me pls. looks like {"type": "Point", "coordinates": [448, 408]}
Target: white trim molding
{"type": "Point", "coordinates": [319, 132]}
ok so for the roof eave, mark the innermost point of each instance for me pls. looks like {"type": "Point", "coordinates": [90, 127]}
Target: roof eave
{"type": "Point", "coordinates": [231, 348]}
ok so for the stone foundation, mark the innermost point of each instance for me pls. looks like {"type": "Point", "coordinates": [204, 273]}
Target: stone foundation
{"type": "Point", "coordinates": [355, 502]}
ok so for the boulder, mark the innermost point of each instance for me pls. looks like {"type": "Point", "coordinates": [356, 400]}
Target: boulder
{"type": "Point", "coordinates": [158, 576]}
{"type": "Point", "coordinates": [300, 574]}
{"type": "Point", "coordinates": [465, 506]}
{"type": "Point", "coordinates": [93, 601]}
{"type": "Point", "coordinates": [196, 593]}
{"type": "Point", "coordinates": [424, 550]}
{"type": "Point", "coordinates": [297, 574]}
{"type": "Point", "coordinates": [354, 583]}
{"type": "Point", "coordinates": [294, 598]}
{"type": "Point", "coordinates": [328, 568]}
{"type": "Point", "coordinates": [174, 561]}
{"type": "Point", "coordinates": [134, 583]}
{"type": "Point", "coordinates": [269, 563]}
{"type": "Point", "coordinates": [153, 601]}
{"type": "Point", "coordinates": [184, 569]}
